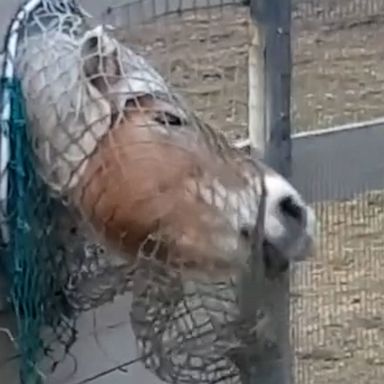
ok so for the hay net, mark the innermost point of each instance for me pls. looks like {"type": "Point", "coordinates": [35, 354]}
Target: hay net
{"type": "Point", "coordinates": [109, 184]}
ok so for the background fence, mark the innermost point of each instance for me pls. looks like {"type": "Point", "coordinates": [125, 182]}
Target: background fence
{"type": "Point", "coordinates": [338, 315]}
{"type": "Point", "coordinates": [338, 77]}
{"type": "Point", "coordinates": [337, 299]}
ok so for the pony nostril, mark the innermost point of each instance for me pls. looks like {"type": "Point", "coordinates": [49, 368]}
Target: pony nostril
{"type": "Point", "coordinates": [289, 207]}
{"type": "Point", "coordinates": [245, 233]}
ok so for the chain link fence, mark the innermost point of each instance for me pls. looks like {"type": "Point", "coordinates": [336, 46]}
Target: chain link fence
{"type": "Point", "coordinates": [337, 72]}
{"type": "Point", "coordinates": [338, 307]}
{"type": "Point", "coordinates": [335, 10]}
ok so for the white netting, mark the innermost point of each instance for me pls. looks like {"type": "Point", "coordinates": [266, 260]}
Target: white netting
{"type": "Point", "coordinates": [125, 160]}
{"type": "Point", "coordinates": [93, 107]}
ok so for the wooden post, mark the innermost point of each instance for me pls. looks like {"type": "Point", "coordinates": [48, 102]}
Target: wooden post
{"type": "Point", "coordinates": [256, 89]}
{"type": "Point", "coordinates": [270, 66]}
{"type": "Point", "coordinates": [269, 82]}
{"type": "Point", "coordinates": [269, 131]}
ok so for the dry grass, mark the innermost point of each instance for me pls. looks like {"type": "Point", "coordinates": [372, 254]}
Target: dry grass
{"type": "Point", "coordinates": [338, 78]}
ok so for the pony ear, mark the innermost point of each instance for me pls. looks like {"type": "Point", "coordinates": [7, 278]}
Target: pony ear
{"type": "Point", "coordinates": [90, 52]}
{"type": "Point", "coordinates": [99, 56]}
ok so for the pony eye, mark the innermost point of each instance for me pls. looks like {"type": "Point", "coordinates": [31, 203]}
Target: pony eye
{"type": "Point", "coordinates": [166, 118]}
{"type": "Point", "coordinates": [290, 208]}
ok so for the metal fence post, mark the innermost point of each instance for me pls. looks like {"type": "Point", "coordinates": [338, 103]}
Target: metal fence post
{"type": "Point", "coordinates": [270, 67]}
{"type": "Point", "coordinates": [270, 77]}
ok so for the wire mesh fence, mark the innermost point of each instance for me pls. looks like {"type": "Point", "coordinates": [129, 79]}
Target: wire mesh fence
{"type": "Point", "coordinates": [336, 10]}
{"type": "Point", "coordinates": [338, 310]}
{"type": "Point", "coordinates": [337, 53]}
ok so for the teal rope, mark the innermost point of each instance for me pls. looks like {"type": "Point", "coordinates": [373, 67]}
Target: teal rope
{"type": "Point", "coordinates": [23, 264]}
{"type": "Point", "coordinates": [30, 259]}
